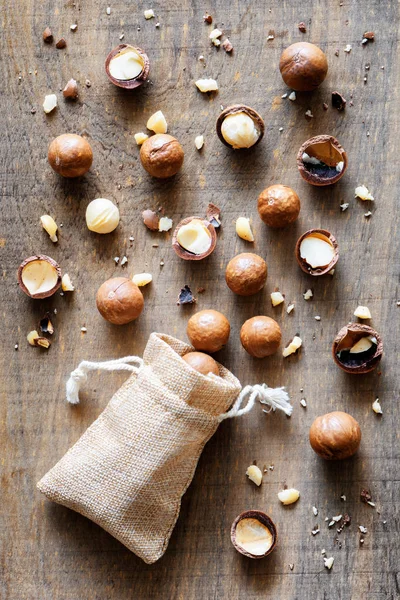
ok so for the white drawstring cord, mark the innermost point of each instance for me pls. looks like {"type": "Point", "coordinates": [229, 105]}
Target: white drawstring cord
{"type": "Point", "coordinates": [272, 397]}
{"type": "Point", "coordinates": [78, 376]}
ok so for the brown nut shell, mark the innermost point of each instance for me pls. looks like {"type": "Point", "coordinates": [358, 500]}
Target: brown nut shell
{"type": "Point", "coordinates": [208, 330]}
{"type": "Point", "coordinates": [70, 155]}
{"type": "Point", "coordinates": [201, 362]}
{"type": "Point", "coordinates": [317, 271]}
{"type": "Point", "coordinates": [335, 436]}
{"type": "Point", "coordinates": [278, 205]}
{"type": "Point", "coordinates": [241, 108]}
{"type": "Point", "coordinates": [328, 150]}
{"type": "Point", "coordinates": [56, 276]}
{"type": "Point", "coordinates": [303, 66]}
{"type": "Point", "coordinates": [161, 155]}
{"type": "Point", "coordinates": [265, 520]}
{"type": "Point", "coordinates": [119, 300]}
{"type": "Point", "coordinates": [246, 274]}
{"type": "Point", "coordinates": [346, 338]}
{"type": "Point", "coordinates": [129, 84]}
{"type": "Point", "coordinates": [260, 336]}
{"type": "Point", "coordinates": [182, 252]}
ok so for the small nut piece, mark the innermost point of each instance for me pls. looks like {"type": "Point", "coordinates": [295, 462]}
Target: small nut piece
{"type": "Point", "coordinates": [47, 36]}
{"type": "Point", "coordinates": [161, 155]}
{"type": "Point", "coordinates": [142, 279]}
{"type": "Point", "coordinates": [328, 562]}
{"type": "Point", "coordinates": [66, 283]}
{"type": "Point", "coordinates": [362, 312]}
{"type": "Point", "coordinates": [194, 238]}
{"type": "Point", "coordinates": [376, 407]}
{"type": "Point", "coordinates": [321, 160]}
{"type": "Point", "coordinates": [317, 252]}
{"type": "Point", "coordinates": [33, 337]}
{"type": "Point", "coordinates": [49, 225]}
{"type": "Point", "coordinates": [157, 123]}
{"type": "Point", "coordinates": [199, 141]}
{"type": "Point", "coordinates": [363, 193]}
{"type": "Point", "coordinates": [151, 219]}
{"type": "Point", "coordinates": [357, 348]}
{"type": "Point", "coordinates": [303, 66]}
{"type": "Point", "coordinates": [243, 229]}
{"type": "Point", "coordinates": [277, 298]}
{"type": "Point", "coordinates": [201, 362]}
{"type": "Point", "coordinates": [335, 436]}
{"type": "Point", "coordinates": [260, 336]}
{"type": "Point", "coordinates": [208, 330]}
{"type": "Point", "coordinates": [140, 137]}
{"type": "Point", "coordinates": [127, 66]}
{"type": "Point", "coordinates": [278, 206]}
{"type": "Point", "coordinates": [165, 224]}
{"type": "Point", "coordinates": [39, 276]}
{"type": "Point", "coordinates": [254, 474]}
{"type": "Point", "coordinates": [246, 274]}
{"type": "Point", "coordinates": [71, 90]}
{"type": "Point", "coordinates": [253, 534]}
{"type": "Point", "coordinates": [207, 85]}
{"type": "Point", "coordinates": [240, 126]}
{"type": "Point", "coordinates": [70, 155]}
{"type": "Point", "coordinates": [102, 216]}
{"type": "Point", "coordinates": [50, 103]}
{"type": "Point", "coordinates": [289, 496]}
{"type": "Point", "coordinates": [119, 300]}
{"type": "Point", "coordinates": [293, 346]}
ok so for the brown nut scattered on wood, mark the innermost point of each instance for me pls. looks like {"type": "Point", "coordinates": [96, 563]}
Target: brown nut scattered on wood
{"type": "Point", "coordinates": [127, 66]}
{"type": "Point", "coordinates": [119, 300]}
{"type": "Point", "coordinates": [70, 155]}
{"type": "Point", "coordinates": [357, 348]}
{"type": "Point", "coordinates": [194, 238]}
{"type": "Point", "coordinates": [317, 252]}
{"type": "Point", "coordinates": [335, 436]}
{"type": "Point", "coordinates": [303, 66]}
{"type": "Point", "coordinates": [278, 205]}
{"type": "Point", "coordinates": [260, 336]}
{"type": "Point", "coordinates": [39, 276]}
{"type": "Point", "coordinates": [208, 330]}
{"type": "Point", "coordinates": [246, 274]}
{"type": "Point", "coordinates": [321, 160]}
{"type": "Point", "coordinates": [47, 36]}
{"type": "Point", "coordinates": [254, 534]}
{"type": "Point", "coordinates": [240, 126]}
{"type": "Point", "coordinates": [161, 155]}
{"type": "Point", "coordinates": [71, 90]}
{"type": "Point", "coordinates": [201, 362]}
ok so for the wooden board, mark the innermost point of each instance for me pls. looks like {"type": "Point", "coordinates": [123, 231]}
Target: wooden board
{"type": "Point", "coordinates": [49, 552]}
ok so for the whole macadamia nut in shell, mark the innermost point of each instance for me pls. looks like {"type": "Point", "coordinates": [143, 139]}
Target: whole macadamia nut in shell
{"type": "Point", "coordinates": [335, 436]}
{"type": "Point", "coordinates": [161, 155]}
{"type": "Point", "coordinates": [119, 300]}
{"type": "Point", "coordinates": [260, 336]}
{"type": "Point", "coordinates": [201, 362]}
{"type": "Point", "coordinates": [208, 330]}
{"type": "Point", "coordinates": [303, 66]}
{"type": "Point", "coordinates": [70, 155]}
{"type": "Point", "coordinates": [278, 205]}
{"type": "Point", "coordinates": [246, 274]}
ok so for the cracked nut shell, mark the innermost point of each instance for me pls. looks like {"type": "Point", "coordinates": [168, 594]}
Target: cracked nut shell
{"type": "Point", "coordinates": [240, 108]}
{"type": "Point", "coordinates": [260, 336]}
{"type": "Point", "coordinates": [303, 66]}
{"type": "Point", "coordinates": [208, 330]}
{"type": "Point", "coordinates": [129, 84]}
{"type": "Point", "coordinates": [70, 155]}
{"type": "Point", "coordinates": [328, 150]}
{"type": "Point", "coordinates": [265, 520]}
{"type": "Point", "coordinates": [201, 362]}
{"type": "Point", "coordinates": [161, 155]}
{"type": "Point", "coordinates": [278, 205]}
{"type": "Point", "coordinates": [335, 436]}
{"type": "Point", "coordinates": [185, 254]}
{"type": "Point", "coordinates": [31, 278]}
{"type": "Point", "coordinates": [360, 363]}
{"type": "Point", "coordinates": [317, 271]}
{"type": "Point", "coordinates": [246, 274]}
{"type": "Point", "coordinates": [119, 300]}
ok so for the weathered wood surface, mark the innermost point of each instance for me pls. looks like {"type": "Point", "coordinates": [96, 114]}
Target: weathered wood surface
{"type": "Point", "coordinates": [49, 552]}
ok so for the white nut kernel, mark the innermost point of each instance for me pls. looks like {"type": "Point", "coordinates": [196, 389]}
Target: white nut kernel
{"type": "Point", "coordinates": [317, 250]}
{"type": "Point", "coordinates": [102, 216]}
{"type": "Point", "coordinates": [362, 312]}
{"type": "Point", "coordinates": [32, 337]}
{"type": "Point", "coordinates": [376, 407]}
{"type": "Point", "coordinates": [199, 141]}
{"type": "Point", "coordinates": [194, 237]}
{"type": "Point", "coordinates": [126, 65]}
{"type": "Point", "coordinates": [254, 474]}
{"type": "Point", "coordinates": [239, 130]}
{"type": "Point", "coordinates": [289, 496]}
{"type": "Point", "coordinates": [293, 346]}
{"type": "Point", "coordinates": [142, 279]}
{"type": "Point", "coordinates": [66, 283]}
{"type": "Point", "coordinates": [290, 308]}
{"type": "Point", "coordinates": [292, 96]}
{"type": "Point", "coordinates": [277, 298]}
{"type": "Point", "coordinates": [50, 103]}
{"type": "Point", "coordinates": [49, 225]}
{"type": "Point", "coordinates": [149, 14]}
{"type": "Point", "coordinates": [328, 562]}
{"type": "Point", "coordinates": [307, 295]}
{"type": "Point", "coordinates": [362, 192]}
{"type": "Point", "coordinates": [243, 229]}
{"type": "Point", "coordinates": [140, 137]}
{"type": "Point", "coordinates": [214, 35]}
{"type": "Point", "coordinates": [164, 224]}
{"type": "Point", "coordinates": [157, 123]}
{"type": "Point", "coordinates": [207, 85]}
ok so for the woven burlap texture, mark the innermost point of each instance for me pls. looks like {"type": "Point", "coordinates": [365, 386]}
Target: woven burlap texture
{"type": "Point", "coordinates": [129, 470]}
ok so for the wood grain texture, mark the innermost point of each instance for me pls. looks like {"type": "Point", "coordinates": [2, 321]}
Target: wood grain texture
{"type": "Point", "coordinates": [51, 553]}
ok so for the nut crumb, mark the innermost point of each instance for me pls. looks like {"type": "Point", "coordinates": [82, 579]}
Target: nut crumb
{"type": "Point", "coordinates": [348, 48]}
{"type": "Point", "coordinates": [328, 562]}
{"type": "Point", "coordinates": [317, 318]}
{"type": "Point", "coordinates": [124, 261]}
{"type": "Point", "coordinates": [308, 294]}
{"type": "Point", "coordinates": [227, 46]}
{"type": "Point", "coordinates": [292, 96]}
{"type": "Point", "coordinates": [363, 193]}
{"type": "Point", "coordinates": [149, 14]}
{"type": "Point", "coordinates": [207, 85]}
{"type": "Point", "coordinates": [302, 27]}
{"type": "Point", "coordinates": [61, 44]}
{"type": "Point", "coordinates": [254, 474]}
{"type": "Point", "coordinates": [376, 407]}
{"type": "Point", "coordinates": [290, 308]}
{"type": "Point", "coordinates": [303, 402]}
{"type": "Point", "coordinates": [116, 259]}
{"type": "Point", "coordinates": [315, 510]}
{"type": "Point", "coordinates": [308, 114]}
{"type": "Point", "coordinates": [344, 206]}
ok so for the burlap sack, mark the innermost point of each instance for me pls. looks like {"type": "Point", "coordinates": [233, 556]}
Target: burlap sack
{"type": "Point", "coordinates": [128, 472]}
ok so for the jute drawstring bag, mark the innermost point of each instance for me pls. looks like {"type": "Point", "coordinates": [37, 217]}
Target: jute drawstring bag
{"type": "Point", "coordinates": [129, 470]}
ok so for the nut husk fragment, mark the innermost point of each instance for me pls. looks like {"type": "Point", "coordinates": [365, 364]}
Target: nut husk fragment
{"type": "Point", "coordinates": [347, 337]}
{"type": "Point", "coordinates": [327, 150]}
{"type": "Point", "coordinates": [241, 108]}
{"type": "Point", "coordinates": [71, 90]}
{"type": "Point", "coordinates": [44, 268]}
{"type": "Point", "coordinates": [151, 219]}
{"type": "Point", "coordinates": [182, 252]}
{"type": "Point", "coordinates": [318, 270]}
{"type": "Point", "coordinates": [213, 215]}
{"type": "Point", "coordinates": [264, 520]}
{"type": "Point", "coordinates": [129, 84]}
{"type": "Point", "coordinates": [47, 36]}
{"type": "Point", "coordinates": [186, 296]}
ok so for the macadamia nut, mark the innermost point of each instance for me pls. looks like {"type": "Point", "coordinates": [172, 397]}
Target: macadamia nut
{"type": "Point", "coordinates": [194, 237]}
{"type": "Point", "coordinates": [239, 130]}
{"type": "Point", "coordinates": [289, 496]}
{"type": "Point", "coordinates": [126, 65]}
{"type": "Point", "coordinates": [102, 216]}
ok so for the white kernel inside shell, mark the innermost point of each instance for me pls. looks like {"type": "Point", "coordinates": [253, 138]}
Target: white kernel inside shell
{"type": "Point", "coordinates": [39, 276]}
{"type": "Point", "coordinates": [253, 536]}
{"type": "Point", "coordinates": [194, 237]}
{"type": "Point", "coordinates": [317, 250]}
{"type": "Point", "coordinates": [126, 65]}
{"type": "Point", "coordinates": [239, 130]}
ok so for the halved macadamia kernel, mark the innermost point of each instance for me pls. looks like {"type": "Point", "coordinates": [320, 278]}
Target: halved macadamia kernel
{"type": "Point", "coordinates": [127, 64]}
{"type": "Point", "coordinates": [240, 126]}
{"type": "Point", "coordinates": [317, 252]}
{"type": "Point", "coordinates": [253, 534]}
{"type": "Point", "coordinates": [194, 238]}
{"type": "Point", "coordinates": [39, 276]}
{"type": "Point", "coordinates": [321, 160]}
{"type": "Point", "coordinates": [289, 496]}
{"type": "Point", "coordinates": [357, 348]}
{"type": "Point", "coordinates": [157, 123]}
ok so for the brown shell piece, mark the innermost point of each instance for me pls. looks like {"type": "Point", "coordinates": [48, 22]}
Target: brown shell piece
{"type": "Point", "coordinates": [241, 108]}
{"type": "Point", "coordinates": [265, 520]}
{"type": "Point", "coordinates": [129, 84]}
{"type": "Point", "coordinates": [182, 252]}
{"type": "Point", "coordinates": [346, 338]}
{"type": "Point", "coordinates": [335, 436]}
{"type": "Point", "coordinates": [119, 300]}
{"type": "Point", "coordinates": [39, 257]}
{"type": "Point", "coordinates": [246, 274]}
{"type": "Point", "coordinates": [161, 155]}
{"type": "Point", "coordinates": [260, 336]}
{"type": "Point", "coordinates": [278, 205]}
{"type": "Point", "coordinates": [70, 155]}
{"type": "Point", "coordinates": [327, 149]}
{"type": "Point", "coordinates": [208, 330]}
{"type": "Point", "coordinates": [303, 66]}
{"type": "Point", "coordinates": [318, 270]}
